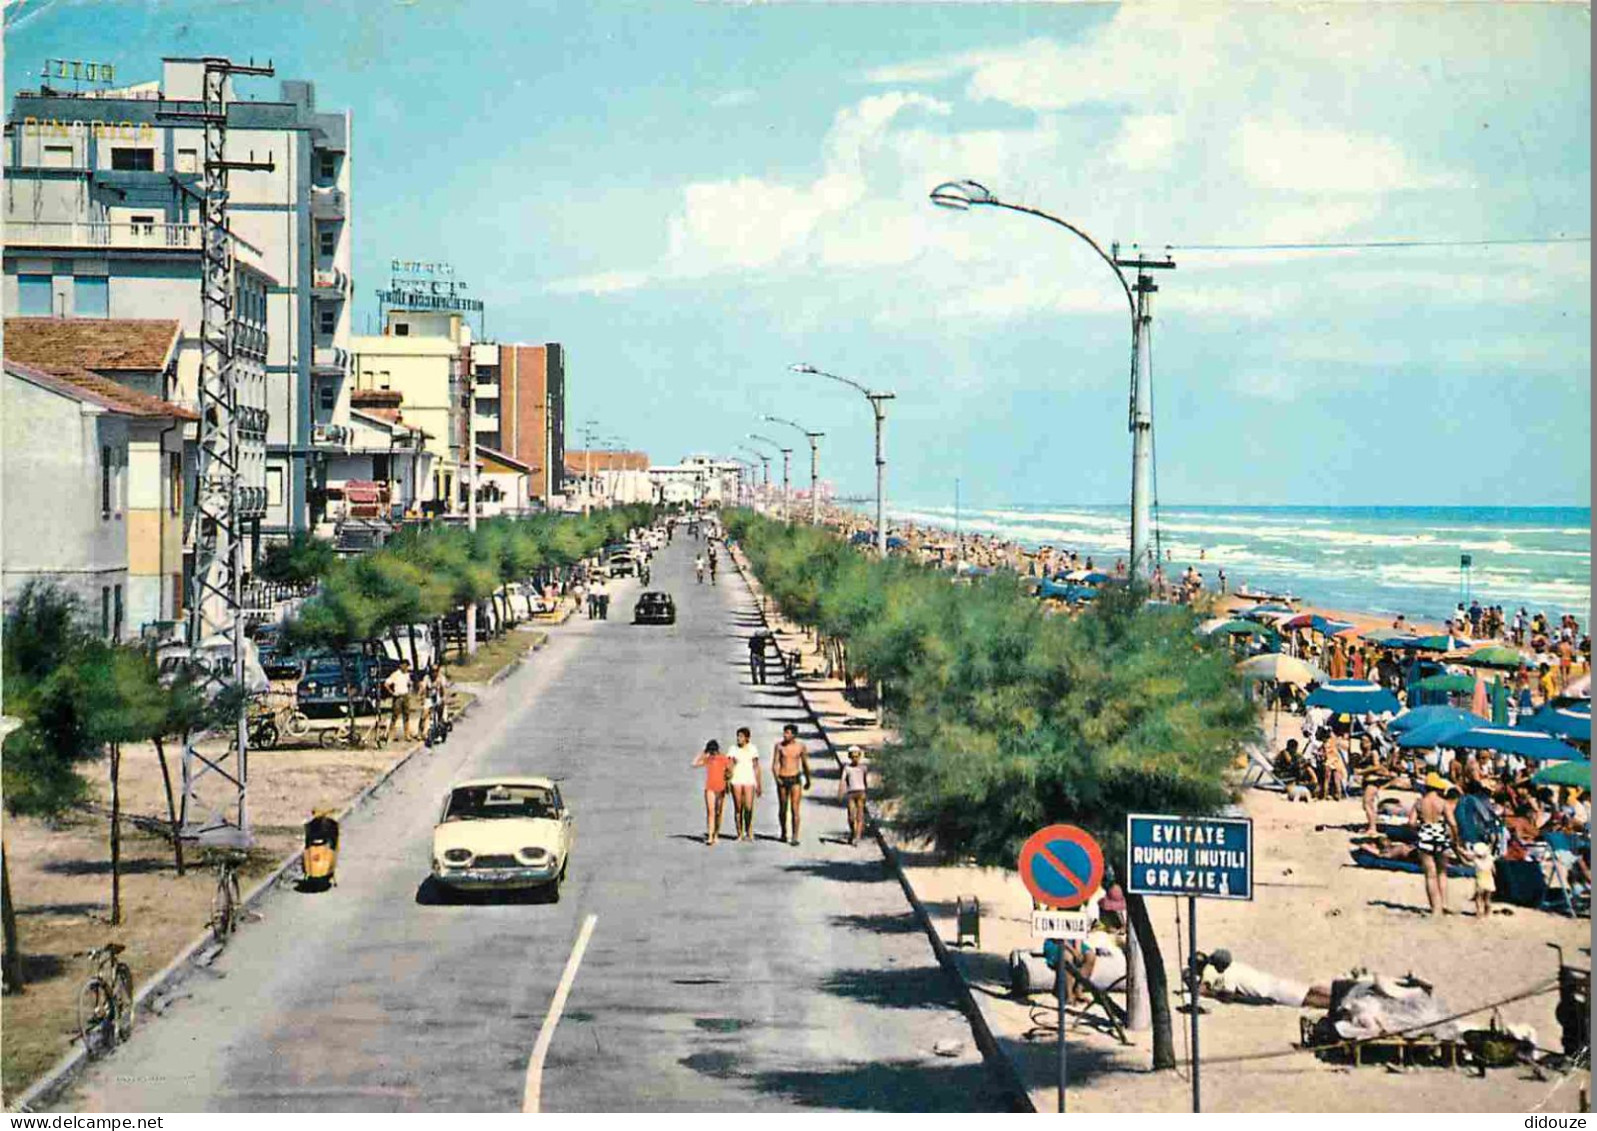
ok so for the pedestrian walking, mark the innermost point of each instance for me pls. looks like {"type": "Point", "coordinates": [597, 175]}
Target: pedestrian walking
{"type": "Point", "coordinates": [790, 766]}
{"type": "Point", "coordinates": [852, 787]}
{"type": "Point", "coordinates": [745, 783]}
{"type": "Point", "coordinates": [713, 559]}
{"type": "Point", "coordinates": [601, 599]}
{"type": "Point", "coordinates": [757, 644]}
{"type": "Point", "coordinates": [717, 779]}
{"type": "Point", "coordinates": [698, 567]}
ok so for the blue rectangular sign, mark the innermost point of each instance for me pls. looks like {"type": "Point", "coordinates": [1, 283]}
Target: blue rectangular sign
{"type": "Point", "coordinates": [1207, 857]}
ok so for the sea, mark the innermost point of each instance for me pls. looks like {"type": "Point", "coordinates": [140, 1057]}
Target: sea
{"type": "Point", "coordinates": [1380, 560]}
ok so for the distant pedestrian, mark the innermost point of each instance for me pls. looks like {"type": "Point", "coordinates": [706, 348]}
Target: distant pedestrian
{"type": "Point", "coordinates": [399, 687]}
{"type": "Point", "coordinates": [713, 562]}
{"type": "Point", "coordinates": [601, 599]}
{"type": "Point", "coordinates": [1222, 583]}
{"type": "Point", "coordinates": [745, 783]}
{"type": "Point", "coordinates": [757, 643]}
{"type": "Point", "coordinates": [856, 776]}
{"type": "Point", "coordinates": [717, 779]}
{"type": "Point", "coordinates": [698, 567]}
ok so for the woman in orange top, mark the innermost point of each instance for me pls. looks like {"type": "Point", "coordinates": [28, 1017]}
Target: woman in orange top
{"type": "Point", "coordinates": [717, 769]}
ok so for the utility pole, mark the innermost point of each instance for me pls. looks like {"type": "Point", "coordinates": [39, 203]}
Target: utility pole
{"type": "Point", "coordinates": [216, 593]}
{"type": "Point", "coordinates": [877, 400]}
{"type": "Point", "coordinates": [1140, 416]}
{"type": "Point", "coordinates": [471, 494]}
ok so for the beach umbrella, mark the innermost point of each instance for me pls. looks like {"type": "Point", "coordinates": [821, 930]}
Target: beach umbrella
{"type": "Point", "coordinates": [1450, 683]}
{"type": "Point", "coordinates": [1239, 628]}
{"type": "Point", "coordinates": [1282, 669]}
{"type": "Point", "coordinates": [1442, 643]}
{"type": "Point", "coordinates": [1495, 656]}
{"type": "Point", "coordinates": [1535, 745]}
{"type": "Point", "coordinates": [1567, 721]}
{"type": "Point", "coordinates": [1437, 733]}
{"type": "Point", "coordinates": [1428, 716]}
{"type": "Point", "coordinates": [1318, 623]}
{"type": "Point", "coordinates": [1354, 697]}
{"type": "Point", "coordinates": [1576, 774]}
{"type": "Point", "coordinates": [1478, 703]}
{"type": "Point", "coordinates": [1387, 638]}
{"type": "Point", "coordinates": [1266, 612]}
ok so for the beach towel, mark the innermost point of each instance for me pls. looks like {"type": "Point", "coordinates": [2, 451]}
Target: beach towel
{"type": "Point", "coordinates": [1364, 858]}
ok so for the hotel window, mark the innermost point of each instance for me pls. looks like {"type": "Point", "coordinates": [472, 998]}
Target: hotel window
{"type": "Point", "coordinates": [329, 165]}
{"type": "Point", "coordinates": [105, 610]}
{"type": "Point", "coordinates": [329, 398]}
{"type": "Point", "coordinates": [274, 486]}
{"type": "Point", "coordinates": [327, 240]}
{"type": "Point", "coordinates": [188, 161]}
{"type": "Point", "coordinates": [34, 296]}
{"type": "Point", "coordinates": [116, 612]}
{"type": "Point", "coordinates": [401, 329]}
{"type": "Point", "coordinates": [329, 320]}
{"type": "Point", "coordinates": [126, 160]}
{"type": "Point", "coordinates": [105, 481]}
{"type": "Point", "coordinates": [143, 225]}
{"type": "Point", "coordinates": [91, 297]}
{"type": "Point", "coordinates": [174, 482]}
{"type": "Point", "coordinates": [57, 157]}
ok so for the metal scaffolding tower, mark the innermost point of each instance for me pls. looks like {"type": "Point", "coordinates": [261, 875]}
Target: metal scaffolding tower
{"type": "Point", "coordinates": [216, 624]}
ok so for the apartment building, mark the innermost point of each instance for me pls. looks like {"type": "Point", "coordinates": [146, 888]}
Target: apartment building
{"type": "Point", "coordinates": [521, 410]}
{"type": "Point", "coordinates": [92, 494]}
{"type": "Point", "coordinates": [102, 211]}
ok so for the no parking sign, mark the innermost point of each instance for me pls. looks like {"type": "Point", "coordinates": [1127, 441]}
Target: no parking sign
{"type": "Point", "coordinates": [1062, 866]}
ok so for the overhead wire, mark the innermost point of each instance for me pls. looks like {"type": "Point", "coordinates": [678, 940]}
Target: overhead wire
{"type": "Point", "coordinates": [1369, 245]}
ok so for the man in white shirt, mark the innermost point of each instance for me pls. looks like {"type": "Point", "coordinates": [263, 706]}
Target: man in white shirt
{"type": "Point", "coordinates": [398, 684]}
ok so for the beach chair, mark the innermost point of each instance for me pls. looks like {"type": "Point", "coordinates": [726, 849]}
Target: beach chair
{"type": "Point", "coordinates": [1561, 892]}
{"type": "Point", "coordinates": [1260, 774]}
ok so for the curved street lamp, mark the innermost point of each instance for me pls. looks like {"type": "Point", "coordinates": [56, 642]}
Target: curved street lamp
{"type": "Point", "coordinates": [877, 400]}
{"type": "Point", "coordinates": [815, 473]}
{"type": "Point", "coordinates": [961, 196]}
{"type": "Point", "coordinates": [765, 461]}
{"type": "Point", "coordinates": [787, 467]}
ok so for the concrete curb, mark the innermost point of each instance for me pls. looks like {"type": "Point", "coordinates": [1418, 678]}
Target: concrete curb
{"type": "Point", "coordinates": [998, 1062]}
{"type": "Point", "coordinates": [62, 1072]}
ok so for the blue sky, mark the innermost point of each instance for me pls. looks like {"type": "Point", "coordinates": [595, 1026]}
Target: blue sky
{"type": "Point", "coordinates": [693, 196]}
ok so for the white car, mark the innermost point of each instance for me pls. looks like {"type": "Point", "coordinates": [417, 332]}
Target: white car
{"type": "Point", "coordinates": [502, 834]}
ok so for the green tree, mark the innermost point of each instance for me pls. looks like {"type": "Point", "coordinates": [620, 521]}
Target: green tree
{"type": "Point", "coordinates": [301, 560]}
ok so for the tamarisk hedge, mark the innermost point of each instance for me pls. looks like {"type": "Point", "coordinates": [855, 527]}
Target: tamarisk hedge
{"type": "Point", "coordinates": [1009, 719]}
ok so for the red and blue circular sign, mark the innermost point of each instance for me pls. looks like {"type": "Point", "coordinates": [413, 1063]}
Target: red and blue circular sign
{"type": "Point", "coordinates": [1062, 866]}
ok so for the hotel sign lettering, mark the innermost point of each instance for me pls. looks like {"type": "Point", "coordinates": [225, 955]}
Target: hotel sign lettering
{"type": "Point", "coordinates": [426, 300]}
{"type": "Point", "coordinates": [79, 70]}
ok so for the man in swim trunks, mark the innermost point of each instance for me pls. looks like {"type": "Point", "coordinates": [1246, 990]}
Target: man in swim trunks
{"type": "Point", "coordinates": [1436, 835]}
{"type": "Point", "coordinates": [790, 766]}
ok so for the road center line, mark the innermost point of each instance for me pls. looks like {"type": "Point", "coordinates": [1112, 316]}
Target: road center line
{"type": "Point", "coordinates": [532, 1093]}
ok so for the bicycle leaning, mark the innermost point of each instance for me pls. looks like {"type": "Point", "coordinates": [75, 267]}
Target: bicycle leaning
{"type": "Point", "coordinates": [227, 904]}
{"type": "Point", "coordinates": [105, 1003]}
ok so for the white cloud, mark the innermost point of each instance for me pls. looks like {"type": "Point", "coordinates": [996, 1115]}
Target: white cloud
{"type": "Point", "coordinates": [733, 98]}
{"type": "Point", "coordinates": [1146, 142]}
{"type": "Point", "coordinates": [1286, 156]}
{"type": "Point", "coordinates": [1267, 385]}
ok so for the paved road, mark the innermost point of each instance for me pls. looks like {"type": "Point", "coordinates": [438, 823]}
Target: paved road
{"type": "Point", "coordinates": [735, 978]}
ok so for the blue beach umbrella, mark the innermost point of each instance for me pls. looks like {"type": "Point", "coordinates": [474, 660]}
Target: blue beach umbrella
{"type": "Point", "coordinates": [1428, 716]}
{"type": "Point", "coordinates": [1441, 732]}
{"type": "Point", "coordinates": [1354, 697]}
{"type": "Point", "coordinates": [1537, 746]}
{"type": "Point", "coordinates": [1565, 720]}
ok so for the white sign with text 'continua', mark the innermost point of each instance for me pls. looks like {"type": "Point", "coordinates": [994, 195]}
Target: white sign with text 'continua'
{"type": "Point", "coordinates": [1060, 924]}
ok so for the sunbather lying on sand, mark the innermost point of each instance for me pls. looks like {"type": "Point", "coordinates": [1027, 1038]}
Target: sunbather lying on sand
{"type": "Point", "coordinates": [1227, 980]}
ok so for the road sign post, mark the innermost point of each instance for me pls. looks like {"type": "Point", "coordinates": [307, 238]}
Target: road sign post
{"type": "Point", "coordinates": [1062, 867]}
{"type": "Point", "coordinates": [1196, 857]}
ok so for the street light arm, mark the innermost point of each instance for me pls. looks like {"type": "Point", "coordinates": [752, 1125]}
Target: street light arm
{"type": "Point", "coordinates": [802, 368]}
{"type": "Point", "coordinates": [794, 424]}
{"type": "Point", "coordinates": [961, 195]}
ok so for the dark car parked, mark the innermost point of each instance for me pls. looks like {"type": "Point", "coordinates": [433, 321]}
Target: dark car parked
{"type": "Point", "coordinates": [332, 680]}
{"type": "Point", "coordinates": [654, 608]}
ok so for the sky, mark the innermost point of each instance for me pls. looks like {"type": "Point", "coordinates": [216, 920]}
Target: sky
{"type": "Point", "coordinates": [691, 197]}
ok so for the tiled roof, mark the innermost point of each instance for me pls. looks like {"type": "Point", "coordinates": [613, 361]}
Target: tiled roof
{"type": "Point", "coordinates": [92, 388]}
{"type": "Point", "coordinates": [105, 345]}
{"type": "Point", "coordinates": [577, 462]}
{"type": "Point", "coordinates": [376, 398]}
{"type": "Point", "coordinates": [388, 416]}
{"type": "Point", "coordinates": [514, 464]}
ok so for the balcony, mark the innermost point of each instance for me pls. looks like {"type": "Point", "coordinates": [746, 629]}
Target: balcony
{"type": "Point", "coordinates": [329, 361]}
{"type": "Point", "coordinates": [251, 502]}
{"type": "Point", "coordinates": [251, 340]}
{"type": "Point", "coordinates": [328, 204]}
{"type": "Point", "coordinates": [330, 435]}
{"type": "Point", "coordinates": [253, 420]}
{"type": "Point", "coordinates": [89, 233]}
{"type": "Point", "coordinates": [330, 283]}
